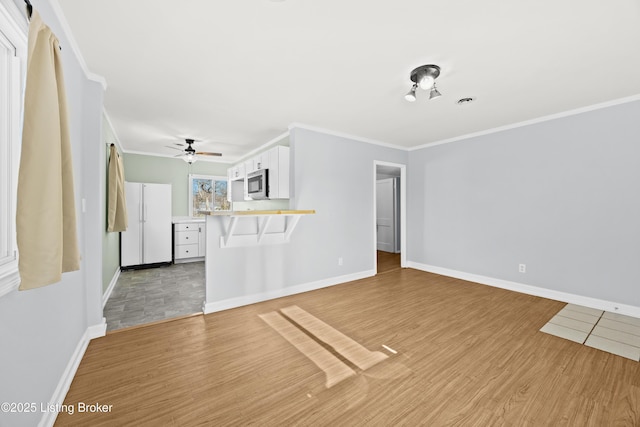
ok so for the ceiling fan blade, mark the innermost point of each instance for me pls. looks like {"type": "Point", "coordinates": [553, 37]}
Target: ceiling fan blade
{"type": "Point", "coordinates": [206, 153]}
{"type": "Point", "coordinates": [174, 148]}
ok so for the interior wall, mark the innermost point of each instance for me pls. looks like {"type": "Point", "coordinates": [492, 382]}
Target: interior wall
{"type": "Point", "coordinates": [174, 171]}
{"type": "Point", "coordinates": [332, 175]}
{"type": "Point", "coordinates": [559, 196]}
{"type": "Point", "coordinates": [92, 202]}
{"type": "Point", "coordinates": [110, 241]}
{"type": "Point", "coordinates": [40, 329]}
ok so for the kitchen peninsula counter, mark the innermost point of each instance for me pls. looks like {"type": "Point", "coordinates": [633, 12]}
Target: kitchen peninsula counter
{"type": "Point", "coordinates": [255, 227]}
{"type": "Point", "coordinates": [259, 212]}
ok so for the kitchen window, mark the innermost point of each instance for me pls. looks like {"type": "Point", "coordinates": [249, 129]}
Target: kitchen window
{"type": "Point", "coordinates": [13, 47]}
{"type": "Point", "coordinates": [207, 193]}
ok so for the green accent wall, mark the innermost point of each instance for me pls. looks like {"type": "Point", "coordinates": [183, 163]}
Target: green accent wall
{"type": "Point", "coordinates": [110, 241]}
{"type": "Point", "coordinates": [174, 171]}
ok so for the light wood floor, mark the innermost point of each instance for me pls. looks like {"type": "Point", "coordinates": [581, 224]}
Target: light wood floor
{"type": "Point", "coordinates": [468, 354]}
{"type": "Point", "coordinates": [387, 261]}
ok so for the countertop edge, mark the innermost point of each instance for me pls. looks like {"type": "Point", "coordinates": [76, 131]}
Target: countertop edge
{"type": "Point", "coordinates": [260, 212]}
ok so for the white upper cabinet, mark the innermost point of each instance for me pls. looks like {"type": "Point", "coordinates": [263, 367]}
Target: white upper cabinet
{"type": "Point", "coordinates": [261, 161]}
{"type": "Point", "coordinates": [236, 172]}
{"type": "Point", "coordinates": [276, 160]}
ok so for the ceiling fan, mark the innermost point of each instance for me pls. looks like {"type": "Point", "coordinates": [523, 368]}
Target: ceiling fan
{"type": "Point", "coordinates": [190, 153]}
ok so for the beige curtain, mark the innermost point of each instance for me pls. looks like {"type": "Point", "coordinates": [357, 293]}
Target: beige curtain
{"type": "Point", "coordinates": [116, 204]}
{"type": "Point", "coordinates": [46, 213]}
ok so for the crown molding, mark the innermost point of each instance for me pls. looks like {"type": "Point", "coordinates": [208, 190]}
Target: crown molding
{"type": "Point", "coordinates": [264, 146]}
{"type": "Point", "coordinates": [542, 119]}
{"type": "Point", "coordinates": [113, 130]}
{"type": "Point", "coordinates": [296, 125]}
{"type": "Point", "coordinates": [66, 29]}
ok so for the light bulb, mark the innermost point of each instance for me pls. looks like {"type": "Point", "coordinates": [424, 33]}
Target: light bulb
{"type": "Point", "coordinates": [426, 82]}
{"type": "Point", "coordinates": [411, 95]}
{"type": "Point", "coordinates": [190, 158]}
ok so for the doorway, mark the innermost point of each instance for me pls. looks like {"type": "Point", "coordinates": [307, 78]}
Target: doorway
{"type": "Point", "coordinates": [389, 194]}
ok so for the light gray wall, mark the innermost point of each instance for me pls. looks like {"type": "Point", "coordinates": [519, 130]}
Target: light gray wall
{"type": "Point", "coordinates": [332, 175]}
{"type": "Point", "coordinates": [92, 156]}
{"type": "Point", "coordinates": [561, 196]}
{"type": "Point", "coordinates": [41, 328]}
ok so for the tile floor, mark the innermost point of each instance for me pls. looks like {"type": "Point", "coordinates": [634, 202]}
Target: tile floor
{"type": "Point", "coordinates": [152, 294]}
{"type": "Point", "coordinates": [610, 332]}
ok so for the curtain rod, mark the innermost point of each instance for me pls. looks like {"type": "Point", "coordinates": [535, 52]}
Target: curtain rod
{"type": "Point", "coordinates": [29, 8]}
{"type": "Point", "coordinates": [30, 12]}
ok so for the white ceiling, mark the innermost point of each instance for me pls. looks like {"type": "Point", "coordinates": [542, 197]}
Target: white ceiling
{"type": "Point", "coordinates": [235, 74]}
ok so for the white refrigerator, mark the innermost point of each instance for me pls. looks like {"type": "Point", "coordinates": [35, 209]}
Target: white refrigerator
{"type": "Point", "coordinates": [148, 236]}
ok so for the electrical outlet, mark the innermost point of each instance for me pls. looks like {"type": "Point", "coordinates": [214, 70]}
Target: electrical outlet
{"type": "Point", "coordinates": [522, 268]}
{"type": "Point", "coordinates": [340, 261]}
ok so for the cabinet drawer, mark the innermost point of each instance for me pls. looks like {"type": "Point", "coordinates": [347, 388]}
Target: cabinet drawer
{"type": "Point", "coordinates": [187, 237]}
{"type": "Point", "coordinates": [187, 226]}
{"type": "Point", "coordinates": [186, 251]}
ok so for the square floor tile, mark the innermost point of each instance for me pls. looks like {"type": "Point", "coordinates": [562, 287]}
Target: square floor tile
{"type": "Point", "coordinates": [614, 347]}
{"type": "Point", "coordinates": [585, 310]}
{"type": "Point", "coordinates": [622, 318]}
{"type": "Point", "coordinates": [619, 336]}
{"type": "Point", "coordinates": [619, 326]}
{"type": "Point", "coordinates": [577, 315]}
{"type": "Point", "coordinates": [611, 332]}
{"type": "Point", "coordinates": [564, 332]}
{"type": "Point", "coordinates": [572, 323]}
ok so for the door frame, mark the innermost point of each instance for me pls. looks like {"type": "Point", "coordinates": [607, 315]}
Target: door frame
{"type": "Point", "coordinates": [403, 212]}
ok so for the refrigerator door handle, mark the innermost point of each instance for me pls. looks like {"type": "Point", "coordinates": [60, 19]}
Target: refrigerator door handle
{"type": "Point", "coordinates": [144, 219]}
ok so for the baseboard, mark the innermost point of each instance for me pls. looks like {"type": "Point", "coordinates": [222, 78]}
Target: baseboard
{"type": "Point", "coordinates": [186, 260]}
{"type": "Point", "coordinates": [214, 306]}
{"type": "Point", "coordinates": [95, 331]}
{"type": "Point", "coordinates": [600, 304]}
{"type": "Point", "coordinates": [112, 284]}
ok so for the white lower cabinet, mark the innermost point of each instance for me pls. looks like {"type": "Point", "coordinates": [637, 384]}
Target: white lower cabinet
{"type": "Point", "coordinates": [188, 241]}
{"type": "Point", "coordinates": [202, 239]}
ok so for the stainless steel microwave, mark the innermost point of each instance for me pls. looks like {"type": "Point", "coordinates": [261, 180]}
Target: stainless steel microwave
{"type": "Point", "coordinates": [258, 184]}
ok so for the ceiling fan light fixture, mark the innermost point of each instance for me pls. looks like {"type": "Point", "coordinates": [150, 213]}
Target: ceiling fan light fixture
{"type": "Point", "coordinates": [189, 154]}
{"type": "Point", "coordinates": [190, 158]}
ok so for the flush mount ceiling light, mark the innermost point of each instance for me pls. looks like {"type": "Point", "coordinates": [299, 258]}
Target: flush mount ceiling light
{"type": "Point", "coordinates": [424, 77]}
